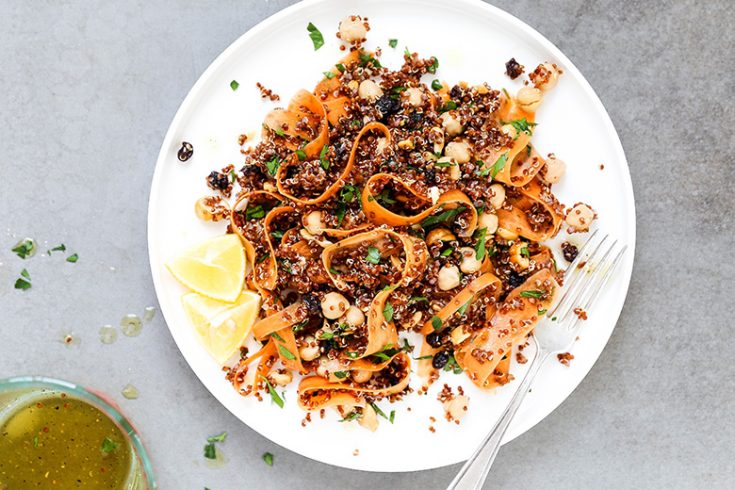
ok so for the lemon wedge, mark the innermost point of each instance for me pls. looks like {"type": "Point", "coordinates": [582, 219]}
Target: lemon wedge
{"type": "Point", "coordinates": [214, 268]}
{"type": "Point", "coordinates": [222, 327]}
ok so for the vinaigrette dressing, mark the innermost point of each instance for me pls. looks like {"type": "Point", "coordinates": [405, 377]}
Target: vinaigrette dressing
{"type": "Point", "coordinates": [59, 442]}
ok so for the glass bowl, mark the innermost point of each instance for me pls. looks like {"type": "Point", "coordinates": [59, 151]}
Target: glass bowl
{"type": "Point", "coordinates": [25, 388]}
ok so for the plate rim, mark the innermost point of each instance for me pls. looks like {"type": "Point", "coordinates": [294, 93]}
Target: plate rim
{"type": "Point", "coordinates": [192, 95]}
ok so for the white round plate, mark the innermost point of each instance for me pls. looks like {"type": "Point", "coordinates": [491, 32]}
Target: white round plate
{"type": "Point", "coordinates": [472, 41]}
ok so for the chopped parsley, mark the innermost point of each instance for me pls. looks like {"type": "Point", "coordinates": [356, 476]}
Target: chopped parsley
{"type": "Point", "coordinates": [218, 438]}
{"type": "Point", "coordinates": [329, 75]}
{"type": "Point", "coordinates": [423, 357]}
{"type": "Point", "coordinates": [393, 43]}
{"type": "Point", "coordinates": [388, 311]}
{"type": "Point", "coordinates": [315, 35]}
{"type": "Point", "coordinates": [498, 165]}
{"type": "Point", "coordinates": [453, 366]}
{"type": "Point", "coordinates": [447, 215]}
{"type": "Point", "coordinates": [448, 106]}
{"type": "Point", "coordinates": [434, 65]}
{"type": "Point", "coordinates": [406, 52]}
{"type": "Point", "coordinates": [268, 459]}
{"type": "Point", "coordinates": [25, 248]}
{"type": "Point", "coordinates": [272, 165]}
{"type": "Point", "coordinates": [542, 311]}
{"type": "Point", "coordinates": [58, 248]}
{"type": "Point", "coordinates": [24, 282]}
{"type": "Point", "coordinates": [341, 67]}
{"type": "Point", "coordinates": [300, 326]}
{"type": "Point", "coordinates": [480, 246]}
{"type": "Point", "coordinates": [447, 252]}
{"type": "Point", "coordinates": [523, 126]}
{"type": "Point", "coordinates": [380, 412]}
{"type": "Point", "coordinates": [532, 294]}
{"type": "Point", "coordinates": [255, 212]}
{"type": "Point", "coordinates": [301, 154]}
{"type": "Point", "coordinates": [277, 235]}
{"type": "Point", "coordinates": [436, 85]}
{"type": "Point", "coordinates": [234, 85]}
{"type": "Point", "coordinates": [444, 164]}
{"type": "Point", "coordinates": [417, 299]}
{"type": "Point", "coordinates": [340, 212]}
{"type": "Point", "coordinates": [108, 445]}
{"type": "Point", "coordinates": [525, 252]}
{"type": "Point", "coordinates": [436, 322]}
{"type": "Point", "coordinates": [392, 416]}
{"type": "Point", "coordinates": [384, 197]}
{"type": "Point", "coordinates": [373, 255]}
{"type": "Point", "coordinates": [386, 353]}
{"type": "Point", "coordinates": [367, 58]}
{"type": "Point", "coordinates": [353, 355]}
{"type": "Point", "coordinates": [348, 193]}
{"type": "Point", "coordinates": [351, 416]}
{"type": "Point", "coordinates": [326, 336]}
{"type": "Point", "coordinates": [340, 374]}
{"type": "Point", "coordinates": [323, 161]}
{"type": "Point", "coordinates": [274, 396]}
{"type": "Point", "coordinates": [462, 309]}
{"type": "Point", "coordinates": [279, 132]}
{"type": "Point", "coordinates": [210, 451]}
{"type": "Point", "coordinates": [286, 353]}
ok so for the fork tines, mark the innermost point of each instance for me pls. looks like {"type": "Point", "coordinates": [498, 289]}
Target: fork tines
{"type": "Point", "coordinates": [586, 277]}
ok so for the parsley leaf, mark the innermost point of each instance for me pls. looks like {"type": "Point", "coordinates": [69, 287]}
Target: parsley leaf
{"type": "Point", "coordinates": [315, 35]}
{"type": "Point", "coordinates": [274, 396]}
{"type": "Point", "coordinates": [417, 299]}
{"type": "Point", "coordinates": [218, 438]}
{"type": "Point", "coordinates": [498, 165]}
{"type": "Point", "coordinates": [268, 458]}
{"type": "Point", "coordinates": [436, 85]}
{"type": "Point", "coordinates": [434, 65]}
{"type": "Point", "coordinates": [351, 416]}
{"type": "Point", "coordinates": [25, 248]}
{"type": "Point", "coordinates": [462, 309]}
{"type": "Point", "coordinates": [210, 452]}
{"type": "Point", "coordinates": [379, 411]}
{"type": "Point", "coordinates": [255, 212]}
{"type": "Point", "coordinates": [436, 322]}
{"type": "Point", "coordinates": [286, 353]}
{"type": "Point", "coordinates": [323, 161]}
{"type": "Point", "coordinates": [480, 246]}
{"type": "Point", "coordinates": [72, 258]}
{"type": "Point", "coordinates": [393, 43]}
{"type": "Point", "coordinates": [388, 311]}
{"type": "Point", "coordinates": [373, 255]}
{"type": "Point", "coordinates": [58, 248]}
{"type": "Point", "coordinates": [447, 215]}
{"type": "Point", "coordinates": [108, 445]}
{"type": "Point", "coordinates": [329, 75]}
{"type": "Point", "coordinates": [273, 165]}
{"type": "Point", "coordinates": [523, 126]}
{"type": "Point", "coordinates": [340, 374]}
{"type": "Point", "coordinates": [536, 293]}
{"type": "Point", "coordinates": [234, 85]}
{"type": "Point", "coordinates": [341, 67]}
{"type": "Point", "coordinates": [301, 154]}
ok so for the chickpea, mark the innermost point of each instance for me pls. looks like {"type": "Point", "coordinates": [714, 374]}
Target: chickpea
{"type": "Point", "coordinates": [451, 124]}
{"type": "Point", "coordinates": [211, 208]}
{"type": "Point", "coordinates": [469, 262]}
{"type": "Point", "coordinates": [580, 217]}
{"type": "Point", "coordinates": [328, 366]}
{"type": "Point", "coordinates": [506, 234]}
{"type": "Point", "coordinates": [439, 235]}
{"type": "Point", "coordinates": [459, 151]}
{"type": "Point", "coordinates": [369, 90]}
{"type": "Point", "coordinates": [282, 377]}
{"type": "Point", "coordinates": [458, 335]}
{"type": "Point", "coordinates": [457, 407]}
{"type": "Point", "coordinates": [516, 255]}
{"type": "Point", "coordinates": [553, 170]}
{"type": "Point", "coordinates": [369, 419]}
{"type": "Point", "coordinates": [545, 76]}
{"type": "Point", "coordinates": [509, 130]}
{"type": "Point", "coordinates": [354, 316]}
{"type": "Point", "coordinates": [314, 223]}
{"type": "Point", "coordinates": [310, 350]}
{"type": "Point", "coordinates": [334, 305]}
{"type": "Point", "coordinates": [497, 196]}
{"type": "Point", "coordinates": [361, 375]}
{"type": "Point", "coordinates": [448, 278]}
{"type": "Point", "coordinates": [529, 98]}
{"type": "Point", "coordinates": [415, 96]}
{"type": "Point", "coordinates": [406, 144]}
{"type": "Point", "coordinates": [381, 145]}
{"type": "Point", "coordinates": [352, 29]}
{"type": "Point", "coordinates": [437, 136]}
{"type": "Point", "coordinates": [488, 221]}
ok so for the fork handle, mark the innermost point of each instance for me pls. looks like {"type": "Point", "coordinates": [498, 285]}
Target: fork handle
{"type": "Point", "coordinates": [475, 470]}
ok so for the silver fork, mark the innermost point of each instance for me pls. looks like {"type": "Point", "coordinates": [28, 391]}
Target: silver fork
{"type": "Point", "coordinates": [586, 278]}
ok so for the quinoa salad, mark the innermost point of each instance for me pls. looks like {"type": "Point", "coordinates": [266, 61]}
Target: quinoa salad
{"type": "Point", "coordinates": [387, 201]}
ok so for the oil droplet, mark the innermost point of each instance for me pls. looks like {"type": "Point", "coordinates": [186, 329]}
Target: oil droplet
{"type": "Point", "coordinates": [150, 312]}
{"type": "Point", "coordinates": [71, 340]}
{"type": "Point", "coordinates": [131, 325]}
{"type": "Point", "coordinates": [108, 334]}
{"type": "Point", "coordinates": [130, 392]}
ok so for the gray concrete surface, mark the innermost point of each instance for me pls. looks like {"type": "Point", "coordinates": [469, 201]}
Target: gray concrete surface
{"type": "Point", "coordinates": [86, 93]}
